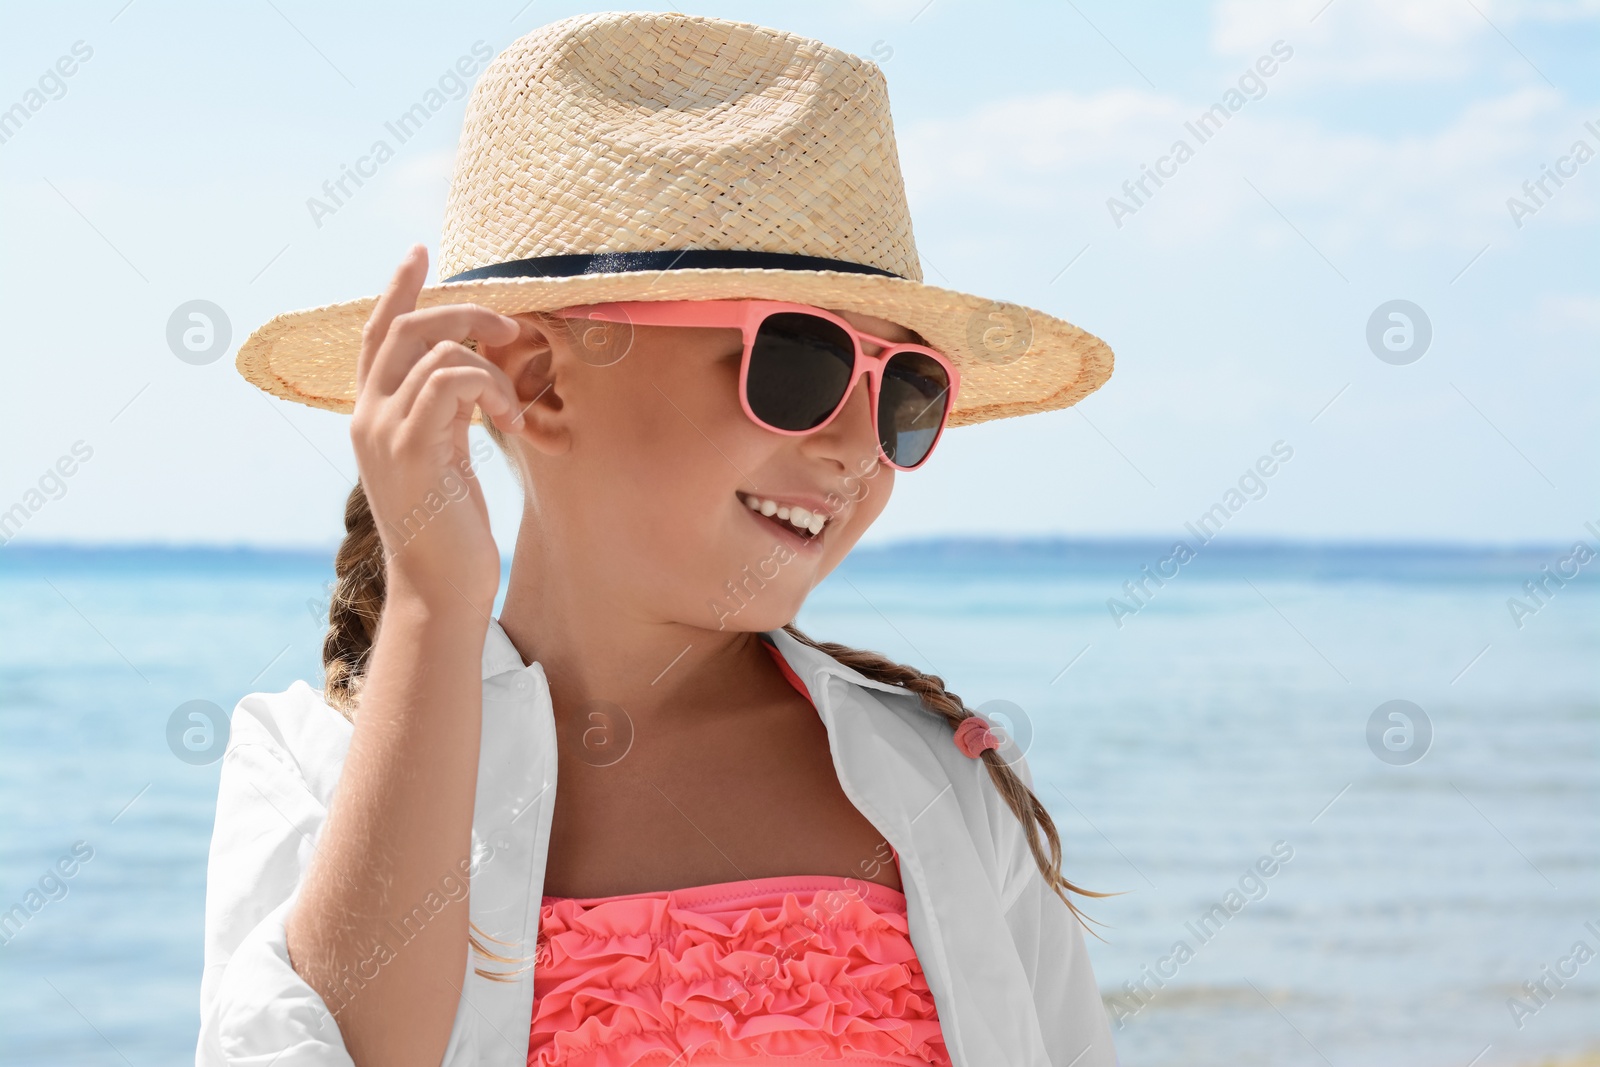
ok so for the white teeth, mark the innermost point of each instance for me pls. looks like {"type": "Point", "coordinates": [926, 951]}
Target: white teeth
{"type": "Point", "coordinates": [798, 517]}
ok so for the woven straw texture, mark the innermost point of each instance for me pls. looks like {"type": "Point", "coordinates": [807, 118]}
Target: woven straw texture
{"type": "Point", "coordinates": [650, 132]}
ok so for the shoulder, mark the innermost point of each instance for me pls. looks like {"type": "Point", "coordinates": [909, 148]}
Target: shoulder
{"type": "Point", "coordinates": [993, 826]}
{"type": "Point", "coordinates": [936, 736]}
{"type": "Point", "coordinates": [298, 729]}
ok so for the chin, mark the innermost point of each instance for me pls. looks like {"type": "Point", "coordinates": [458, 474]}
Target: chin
{"type": "Point", "coordinates": [761, 595]}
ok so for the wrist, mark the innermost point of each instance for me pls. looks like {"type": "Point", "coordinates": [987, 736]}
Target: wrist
{"type": "Point", "coordinates": [435, 605]}
{"type": "Point", "coordinates": [435, 596]}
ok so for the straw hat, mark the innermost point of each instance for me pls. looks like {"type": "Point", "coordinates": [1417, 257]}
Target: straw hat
{"type": "Point", "coordinates": [663, 156]}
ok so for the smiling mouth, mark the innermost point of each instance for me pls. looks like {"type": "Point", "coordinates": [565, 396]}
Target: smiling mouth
{"type": "Point", "coordinates": [791, 519]}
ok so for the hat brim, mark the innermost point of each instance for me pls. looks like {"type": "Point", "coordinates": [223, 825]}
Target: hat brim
{"type": "Point", "coordinates": [1013, 360]}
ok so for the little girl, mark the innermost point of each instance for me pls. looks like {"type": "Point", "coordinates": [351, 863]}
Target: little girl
{"type": "Point", "coordinates": [660, 824]}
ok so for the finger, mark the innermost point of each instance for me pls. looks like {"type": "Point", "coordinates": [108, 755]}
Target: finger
{"type": "Point", "coordinates": [413, 333]}
{"type": "Point", "coordinates": [450, 354]}
{"type": "Point", "coordinates": [400, 297]}
{"type": "Point", "coordinates": [450, 395]}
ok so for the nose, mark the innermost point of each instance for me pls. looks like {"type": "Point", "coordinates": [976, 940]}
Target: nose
{"type": "Point", "coordinates": [849, 440]}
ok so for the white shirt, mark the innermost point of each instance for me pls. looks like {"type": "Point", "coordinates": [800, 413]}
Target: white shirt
{"type": "Point", "coordinates": [1004, 958]}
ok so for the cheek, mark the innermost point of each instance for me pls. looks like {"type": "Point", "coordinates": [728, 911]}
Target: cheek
{"type": "Point", "coordinates": [866, 498]}
{"type": "Point", "coordinates": [658, 411]}
{"type": "Point", "coordinates": [717, 441]}
{"type": "Point", "coordinates": [873, 497]}
{"type": "Point", "coordinates": [667, 447]}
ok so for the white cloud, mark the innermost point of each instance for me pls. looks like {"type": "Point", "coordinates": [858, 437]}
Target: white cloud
{"type": "Point", "coordinates": [1041, 138]}
{"type": "Point", "coordinates": [1059, 156]}
{"type": "Point", "coordinates": [1557, 313]}
{"type": "Point", "coordinates": [1562, 10]}
{"type": "Point", "coordinates": [1376, 41]}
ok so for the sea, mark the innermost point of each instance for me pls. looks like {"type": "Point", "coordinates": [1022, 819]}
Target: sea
{"type": "Point", "coordinates": [1346, 796]}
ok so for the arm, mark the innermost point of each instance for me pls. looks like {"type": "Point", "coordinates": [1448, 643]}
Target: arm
{"type": "Point", "coordinates": [388, 966]}
{"type": "Point", "coordinates": [370, 931]}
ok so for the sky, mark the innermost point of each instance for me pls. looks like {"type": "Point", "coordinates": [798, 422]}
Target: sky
{"type": "Point", "coordinates": [1396, 160]}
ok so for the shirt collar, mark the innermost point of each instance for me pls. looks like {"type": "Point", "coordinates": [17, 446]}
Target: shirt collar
{"type": "Point", "coordinates": [500, 656]}
{"type": "Point", "coordinates": [810, 663]}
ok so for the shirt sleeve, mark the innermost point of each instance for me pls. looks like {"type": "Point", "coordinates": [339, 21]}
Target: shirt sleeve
{"type": "Point", "coordinates": [255, 1009]}
{"type": "Point", "coordinates": [1050, 944]}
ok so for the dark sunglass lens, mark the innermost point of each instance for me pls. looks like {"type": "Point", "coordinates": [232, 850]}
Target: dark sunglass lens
{"type": "Point", "coordinates": [911, 407]}
{"type": "Point", "coordinates": [799, 368]}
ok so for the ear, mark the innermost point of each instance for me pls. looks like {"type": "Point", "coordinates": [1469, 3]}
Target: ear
{"type": "Point", "coordinates": [538, 373]}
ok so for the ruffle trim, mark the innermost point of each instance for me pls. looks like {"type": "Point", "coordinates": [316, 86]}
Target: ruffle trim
{"type": "Point", "coordinates": [796, 967]}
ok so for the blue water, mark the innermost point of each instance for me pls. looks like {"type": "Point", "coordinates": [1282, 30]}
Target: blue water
{"type": "Point", "coordinates": [1226, 716]}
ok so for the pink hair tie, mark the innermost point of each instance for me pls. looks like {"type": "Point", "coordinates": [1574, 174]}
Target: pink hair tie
{"type": "Point", "coordinates": [973, 735]}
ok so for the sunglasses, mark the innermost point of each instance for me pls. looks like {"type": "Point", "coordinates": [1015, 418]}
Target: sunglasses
{"type": "Point", "coordinates": [800, 363]}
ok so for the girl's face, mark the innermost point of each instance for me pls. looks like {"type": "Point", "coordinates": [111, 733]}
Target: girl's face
{"type": "Point", "coordinates": [641, 464]}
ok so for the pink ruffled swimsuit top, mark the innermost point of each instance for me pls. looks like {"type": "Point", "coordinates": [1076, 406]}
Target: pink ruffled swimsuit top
{"type": "Point", "coordinates": [794, 970]}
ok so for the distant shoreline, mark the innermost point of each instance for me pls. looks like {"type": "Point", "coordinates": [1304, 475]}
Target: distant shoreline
{"type": "Point", "coordinates": [1220, 558]}
{"type": "Point", "coordinates": [1590, 1058]}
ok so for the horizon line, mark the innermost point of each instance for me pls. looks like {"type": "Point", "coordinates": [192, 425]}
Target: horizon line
{"type": "Point", "coordinates": [977, 540]}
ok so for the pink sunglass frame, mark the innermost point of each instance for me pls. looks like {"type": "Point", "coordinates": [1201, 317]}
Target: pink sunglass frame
{"type": "Point", "coordinates": [747, 317]}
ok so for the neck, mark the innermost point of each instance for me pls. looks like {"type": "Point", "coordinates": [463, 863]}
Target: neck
{"type": "Point", "coordinates": [596, 642]}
